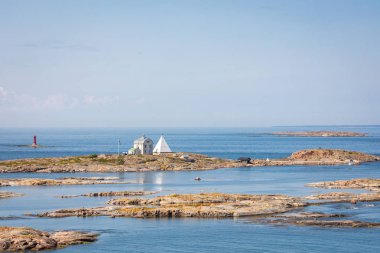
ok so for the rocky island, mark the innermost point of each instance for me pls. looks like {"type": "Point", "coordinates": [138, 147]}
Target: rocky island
{"type": "Point", "coordinates": [321, 134]}
{"type": "Point", "coordinates": [264, 208]}
{"type": "Point", "coordinates": [177, 162]}
{"type": "Point", "coordinates": [25, 239]}
{"type": "Point", "coordinates": [188, 205]}
{"type": "Point", "coordinates": [115, 163]}
{"type": "Point", "coordinates": [59, 181]}
{"type": "Point", "coordinates": [320, 157]}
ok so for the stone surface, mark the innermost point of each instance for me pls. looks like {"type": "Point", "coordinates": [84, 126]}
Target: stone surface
{"type": "Point", "coordinates": [189, 205]}
{"type": "Point", "coordinates": [23, 238]}
{"type": "Point", "coordinates": [321, 134]}
{"type": "Point", "coordinates": [60, 181]}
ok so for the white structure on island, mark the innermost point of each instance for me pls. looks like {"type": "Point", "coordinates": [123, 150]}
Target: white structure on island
{"type": "Point", "coordinates": [142, 146]}
{"type": "Point", "coordinates": [162, 146]}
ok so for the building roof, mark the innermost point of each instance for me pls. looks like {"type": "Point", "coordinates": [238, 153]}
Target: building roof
{"type": "Point", "coordinates": [142, 139]}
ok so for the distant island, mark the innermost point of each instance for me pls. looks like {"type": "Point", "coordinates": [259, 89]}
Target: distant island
{"type": "Point", "coordinates": [321, 134]}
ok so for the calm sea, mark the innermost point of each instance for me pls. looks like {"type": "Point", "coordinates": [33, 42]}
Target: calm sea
{"type": "Point", "coordinates": [195, 235]}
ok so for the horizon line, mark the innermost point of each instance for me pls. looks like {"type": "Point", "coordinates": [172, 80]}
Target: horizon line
{"type": "Point", "coordinates": [187, 127]}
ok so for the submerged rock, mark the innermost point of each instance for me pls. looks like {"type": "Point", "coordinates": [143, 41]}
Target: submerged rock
{"type": "Point", "coordinates": [316, 219]}
{"type": "Point", "coordinates": [308, 215]}
{"type": "Point", "coordinates": [4, 194]}
{"type": "Point", "coordinates": [23, 238]}
{"type": "Point", "coordinates": [324, 223]}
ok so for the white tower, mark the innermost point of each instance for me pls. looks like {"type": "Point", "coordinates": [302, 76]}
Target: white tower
{"type": "Point", "coordinates": [162, 146]}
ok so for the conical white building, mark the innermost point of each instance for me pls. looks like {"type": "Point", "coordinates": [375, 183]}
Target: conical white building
{"type": "Point", "coordinates": [162, 146]}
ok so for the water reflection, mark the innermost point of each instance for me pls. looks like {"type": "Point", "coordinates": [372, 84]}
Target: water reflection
{"type": "Point", "coordinates": [150, 180]}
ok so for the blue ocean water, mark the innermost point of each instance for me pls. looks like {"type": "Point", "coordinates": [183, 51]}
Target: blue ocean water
{"type": "Point", "coordinates": [219, 142]}
{"type": "Point", "coordinates": [195, 235]}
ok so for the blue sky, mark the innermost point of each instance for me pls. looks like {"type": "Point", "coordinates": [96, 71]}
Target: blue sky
{"type": "Point", "coordinates": [189, 63]}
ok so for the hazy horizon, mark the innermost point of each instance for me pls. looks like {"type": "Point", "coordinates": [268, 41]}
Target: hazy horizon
{"type": "Point", "coordinates": [189, 63]}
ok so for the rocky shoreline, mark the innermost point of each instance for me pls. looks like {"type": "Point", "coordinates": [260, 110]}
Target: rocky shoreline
{"type": "Point", "coordinates": [176, 162]}
{"type": "Point", "coordinates": [60, 181]}
{"type": "Point", "coordinates": [24, 238]}
{"type": "Point", "coordinates": [321, 134]}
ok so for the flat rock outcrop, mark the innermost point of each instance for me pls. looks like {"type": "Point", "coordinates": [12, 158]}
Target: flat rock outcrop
{"type": "Point", "coordinates": [324, 223]}
{"type": "Point", "coordinates": [60, 181]}
{"type": "Point", "coordinates": [111, 194]}
{"type": "Point", "coordinates": [321, 134]}
{"type": "Point", "coordinates": [4, 194]}
{"type": "Point", "coordinates": [189, 205]}
{"type": "Point", "coordinates": [24, 239]}
{"type": "Point", "coordinates": [343, 197]}
{"type": "Point", "coordinates": [372, 184]}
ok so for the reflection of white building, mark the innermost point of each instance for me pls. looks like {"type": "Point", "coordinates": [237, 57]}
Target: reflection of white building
{"type": "Point", "coordinates": [142, 145]}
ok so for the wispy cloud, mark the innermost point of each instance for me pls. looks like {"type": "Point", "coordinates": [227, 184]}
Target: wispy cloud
{"type": "Point", "coordinates": [140, 101]}
{"type": "Point", "coordinates": [10, 100]}
{"type": "Point", "coordinates": [60, 101]}
{"type": "Point", "coordinates": [3, 93]}
{"type": "Point", "coordinates": [58, 45]}
{"type": "Point", "coordinates": [99, 100]}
